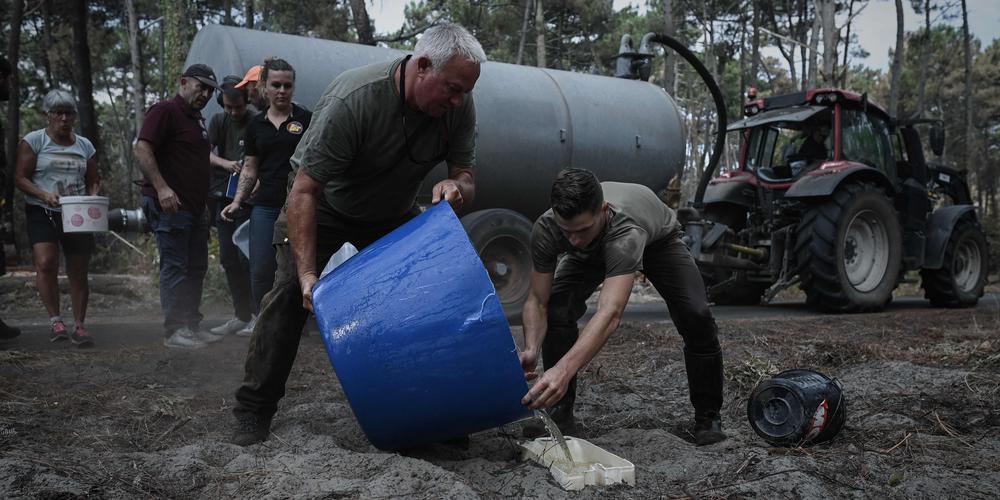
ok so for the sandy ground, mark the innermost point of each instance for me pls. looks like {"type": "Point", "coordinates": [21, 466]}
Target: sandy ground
{"type": "Point", "coordinates": [130, 418]}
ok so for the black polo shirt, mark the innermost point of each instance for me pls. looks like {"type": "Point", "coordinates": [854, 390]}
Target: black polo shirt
{"type": "Point", "coordinates": [273, 147]}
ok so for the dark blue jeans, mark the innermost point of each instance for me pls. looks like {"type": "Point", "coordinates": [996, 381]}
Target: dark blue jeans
{"type": "Point", "coordinates": [262, 262]}
{"type": "Point", "coordinates": [234, 263]}
{"type": "Point", "coordinates": [182, 239]}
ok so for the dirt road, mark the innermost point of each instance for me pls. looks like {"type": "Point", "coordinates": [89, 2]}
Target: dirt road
{"type": "Point", "coordinates": [131, 418]}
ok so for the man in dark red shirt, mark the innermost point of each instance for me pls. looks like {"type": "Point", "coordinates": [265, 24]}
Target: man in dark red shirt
{"type": "Point", "coordinates": [173, 153]}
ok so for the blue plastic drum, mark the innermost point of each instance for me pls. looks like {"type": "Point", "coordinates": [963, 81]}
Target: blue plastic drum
{"type": "Point", "coordinates": [418, 338]}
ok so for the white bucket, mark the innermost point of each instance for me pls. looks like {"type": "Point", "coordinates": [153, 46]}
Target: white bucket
{"type": "Point", "coordinates": [84, 214]}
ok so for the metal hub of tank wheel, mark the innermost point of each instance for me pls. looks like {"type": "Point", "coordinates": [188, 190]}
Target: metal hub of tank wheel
{"type": "Point", "coordinates": [968, 265]}
{"type": "Point", "coordinates": [504, 258]}
{"type": "Point", "coordinates": [866, 251]}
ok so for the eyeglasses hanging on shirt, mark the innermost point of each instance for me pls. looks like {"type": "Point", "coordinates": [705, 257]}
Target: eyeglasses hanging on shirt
{"type": "Point", "coordinates": [442, 129]}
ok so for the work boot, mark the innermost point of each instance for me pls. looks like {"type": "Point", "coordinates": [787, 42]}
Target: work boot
{"type": "Point", "coordinates": [8, 332]}
{"type": "Point", "coordinates": [251, 429]}
{"type": "Point", "coordinates": [708, 429]}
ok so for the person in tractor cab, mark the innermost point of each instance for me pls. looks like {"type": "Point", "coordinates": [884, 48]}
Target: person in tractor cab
{"type": "Point", "coordinates": [601, 233]}
{"type": "Point", "coordinates": [810, 147]}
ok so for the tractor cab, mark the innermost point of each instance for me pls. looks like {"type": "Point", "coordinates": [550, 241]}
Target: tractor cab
{"type": "Point", "coordinates": [786, 137]}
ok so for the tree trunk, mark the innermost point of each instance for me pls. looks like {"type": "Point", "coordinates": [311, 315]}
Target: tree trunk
{"type": "Point", "coordinates": [84, 74]}
{"type": "Point", "coordinates": [362, 24]}
{"type": "Point", "coordinates": [897, 61]}
{"type": "Point", "coordinates": [967, 93]}
{"type": "Point", "coordinates": [138, 86]}
{"type": "Point", "coordinates": [925, 50]}
{"type": "Point", "coordinates": [539, 34]}
{"type": "Point", "coordinates": [804, 34]}
{"type": "Point", "coordinates": [227, 17]}
{"type": "Point", "coordinates": [755, 45]}
{"type": "Point", "coordinates": [13, 132]}
{"type": "Point", "coordinates": [812, 79]}
{"type": "Point", "coordinates": [175, 23]}
{"type": "Point", "coordinates": [826, 10]}
{"type": "Point", "coordinates": [524, 32]}
{"type": "Point", "coordinates": [847, 44]}
{"type": "Point", "coordinates": [47, 26]}
{"type": "Point", "coordinates": [249, 13]}
{"type": "Point", "coordinates": [668, 59]}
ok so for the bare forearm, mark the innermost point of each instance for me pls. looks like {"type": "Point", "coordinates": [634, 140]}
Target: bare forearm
{"type": "Point", "coordinates": [217, 161]}
{"type": "Point", "coordinates": [535, 321]}
{"type": "Point", "coordinates": [27, 187]}
{"type": "Point", "coordinates": [245, 186]}
{"type": "Point", "coordinates": [148, 166]}
{"type": "Point", "coordinates": [466, 184]}
{"type": "Point", "coordinates": [302, 231]}
{"type": "Point", "coordinates": [591, 340]}
{"type": "Point", "coordinates": [92, 177]}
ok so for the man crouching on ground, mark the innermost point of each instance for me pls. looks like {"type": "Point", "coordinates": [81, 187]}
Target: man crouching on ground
{"type": "Point", "coordinates": [605, 232]}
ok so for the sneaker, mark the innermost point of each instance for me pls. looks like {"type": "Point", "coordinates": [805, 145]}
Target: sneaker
{"type": "Point", "coordinates": [209, 337]}
{"type": "Point", "coordinates": [81, 338]}
{"type": "Point", "coordinates": [8, 332]}
{"type": "Point", "coordinates": [184, 338]}
{"type": "Point", "coordinates": [708, 430]}
{"type": "Point", "coordinates": [229, 327]}
{"type": "Point", "coordinates": [247, 330]}
{"type": "Point", "coordinates": [251, 429]}
{"type": "Point", "coordinates": [59, 332]}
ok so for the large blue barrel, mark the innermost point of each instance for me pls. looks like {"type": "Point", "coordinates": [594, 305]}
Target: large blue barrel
{"type": "Point", "coordinates": [418, 338]}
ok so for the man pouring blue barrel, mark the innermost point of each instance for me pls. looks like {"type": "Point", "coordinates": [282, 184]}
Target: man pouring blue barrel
{"type": "Point", "coordinates": [376, 133]}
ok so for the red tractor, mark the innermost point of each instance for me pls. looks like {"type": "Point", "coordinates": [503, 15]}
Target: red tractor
{"type": "Point", "coordinates": [833, 194]}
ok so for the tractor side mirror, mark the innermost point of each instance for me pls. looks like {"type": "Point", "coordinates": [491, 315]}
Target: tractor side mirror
{"type": "Point", "coordinates": [937, 139]}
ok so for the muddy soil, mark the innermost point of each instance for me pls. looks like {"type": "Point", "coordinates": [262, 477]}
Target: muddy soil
{"type": "Point", "coordinates": [132, 419]}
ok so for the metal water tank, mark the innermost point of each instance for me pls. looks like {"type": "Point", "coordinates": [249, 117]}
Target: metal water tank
{"type": "Point", "coordinates": [532, 122]}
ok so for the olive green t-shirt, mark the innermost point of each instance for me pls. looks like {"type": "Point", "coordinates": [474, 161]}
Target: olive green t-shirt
{"type": "Point", "coordinates": [355, 146]}
{"type": "Point", "coordinates": [637, 220]}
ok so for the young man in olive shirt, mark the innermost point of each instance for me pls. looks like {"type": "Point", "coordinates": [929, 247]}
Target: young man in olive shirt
{"type": "Point", "coordinates": [376, 133]}
{"type": "Point", "coordinates": [605, 232]}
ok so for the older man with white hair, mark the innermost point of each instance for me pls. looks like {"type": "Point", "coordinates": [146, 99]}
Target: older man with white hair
{"type": "Point", "coordinates": [377, 132]}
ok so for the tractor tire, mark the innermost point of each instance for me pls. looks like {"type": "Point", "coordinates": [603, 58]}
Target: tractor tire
{"type": "Point", "coordinates": [849, 250]}
{"type": "Point", "coordinates": [962, 277]}
{"type": "Point", "coordinates": [502, 238]}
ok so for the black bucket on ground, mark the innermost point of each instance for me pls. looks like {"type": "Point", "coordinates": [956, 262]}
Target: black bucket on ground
{"type": "Point", "coordinates": [797, 407]}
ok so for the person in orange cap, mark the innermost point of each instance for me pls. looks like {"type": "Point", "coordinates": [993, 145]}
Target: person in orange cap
{"type": "Point", "coordinates": [252, 83]}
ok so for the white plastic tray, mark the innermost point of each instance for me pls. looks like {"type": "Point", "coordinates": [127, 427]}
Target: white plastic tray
{"type": "Point", "coordinates": [594, 465]}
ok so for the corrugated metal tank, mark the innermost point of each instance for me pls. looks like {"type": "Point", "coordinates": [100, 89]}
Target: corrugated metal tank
{"type": "Point", "coordinates": [532, 121]}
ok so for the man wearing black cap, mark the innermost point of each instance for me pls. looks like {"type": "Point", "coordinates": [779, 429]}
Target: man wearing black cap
{"type": "Point", "coordinates": [173, 153]}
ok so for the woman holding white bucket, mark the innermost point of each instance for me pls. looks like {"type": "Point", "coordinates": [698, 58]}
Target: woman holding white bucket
{"type": "Point", "coordinates": [53, 162]}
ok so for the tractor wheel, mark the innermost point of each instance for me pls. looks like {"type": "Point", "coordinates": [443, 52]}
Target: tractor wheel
{"type": "Point", "coordinates": [962, 277]}
{"type": "Point", "coordinates": [502, 238]}
{"type": "Point", "coordinates": [849, 250]}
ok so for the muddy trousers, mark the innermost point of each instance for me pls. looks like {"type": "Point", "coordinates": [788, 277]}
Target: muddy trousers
{"type": "Point", "coordinates": [275, 338]}
{"type": "Point", "coordinates": [669, 267]}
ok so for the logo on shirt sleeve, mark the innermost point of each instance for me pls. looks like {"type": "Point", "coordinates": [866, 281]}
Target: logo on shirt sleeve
{"type": "Point", "coordinates": [294, 128]}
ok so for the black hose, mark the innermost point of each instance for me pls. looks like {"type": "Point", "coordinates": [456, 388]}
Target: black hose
{"type": "Point", "coordinates": [720, 106]}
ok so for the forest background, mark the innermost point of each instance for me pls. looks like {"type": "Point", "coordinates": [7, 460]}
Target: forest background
{"type": "Point", "coordinates": [120, 56]}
